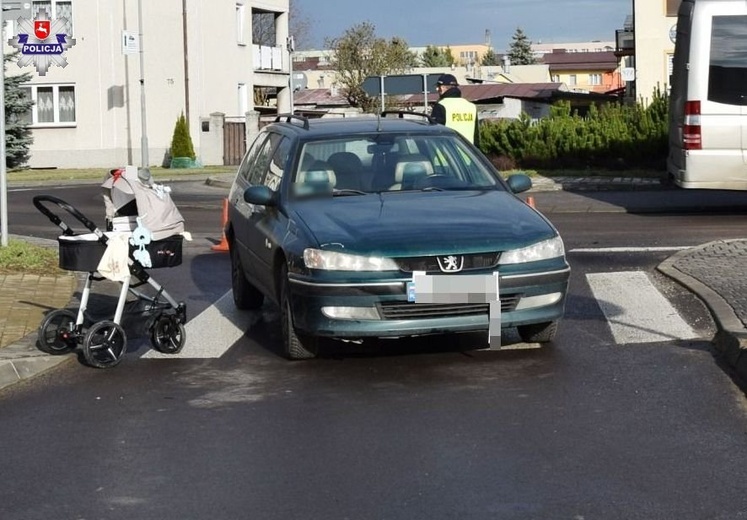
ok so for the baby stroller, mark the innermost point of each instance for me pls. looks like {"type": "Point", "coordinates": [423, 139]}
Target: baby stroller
{"type": "Point", "coordinates": [143, 230]}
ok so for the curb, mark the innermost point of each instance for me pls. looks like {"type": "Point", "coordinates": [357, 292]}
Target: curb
{"type": "Point", "coordinates": [731, 337]}
{"type": "Point", "coordinates": [22, 360]}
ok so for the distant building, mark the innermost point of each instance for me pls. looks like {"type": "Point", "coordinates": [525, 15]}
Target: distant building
{"type": "Point", "coordinates": [597, 71]}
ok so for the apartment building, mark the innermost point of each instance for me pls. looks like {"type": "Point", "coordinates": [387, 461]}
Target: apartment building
{"type": "Point", "coordinates": [647, 44]}
{"type": "Point", "coordinates": [200, 57]}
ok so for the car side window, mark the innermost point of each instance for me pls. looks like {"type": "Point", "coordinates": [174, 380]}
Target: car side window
{"type": "Point", "coordinates": [282, 147]}
{"type": "Point", "coordinates": [728, 61]}
{"type": "Point", "coordinates": [262, 161]}
{"type": "Point", "coordinates": [250, 157]}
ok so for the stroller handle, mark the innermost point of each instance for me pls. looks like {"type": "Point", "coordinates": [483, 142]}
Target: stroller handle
{"type": "Point", "coordinates": [39, 202]}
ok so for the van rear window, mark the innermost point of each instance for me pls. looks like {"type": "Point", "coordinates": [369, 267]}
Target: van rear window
{"type": "Point", "coordinates": [727, 78]}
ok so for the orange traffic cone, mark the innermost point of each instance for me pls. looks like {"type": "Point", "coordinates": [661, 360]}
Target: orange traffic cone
{"type": "Point", "coordinates": [530, 202]}
{"type": "Point", "coordinates": [223, 245]}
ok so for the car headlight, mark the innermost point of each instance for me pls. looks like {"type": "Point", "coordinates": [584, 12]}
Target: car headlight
{"type": "Point", "coordinates": [544, 250]}
{"type": "Point", "coordinates": [335, 261]}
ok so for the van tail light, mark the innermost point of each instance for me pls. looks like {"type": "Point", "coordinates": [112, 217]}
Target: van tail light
{"type": "Point", "coordinates": [691, 137]}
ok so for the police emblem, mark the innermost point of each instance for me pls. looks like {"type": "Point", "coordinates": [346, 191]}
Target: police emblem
{"type": "Point", "coordinates": [42, 42]}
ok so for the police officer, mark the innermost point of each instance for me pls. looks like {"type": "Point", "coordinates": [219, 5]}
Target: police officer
{"type": "Point", "coordinates": [454, 111]}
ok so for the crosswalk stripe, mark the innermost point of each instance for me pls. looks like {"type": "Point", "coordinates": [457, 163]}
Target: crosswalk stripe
{"type": "Point", "coordinates": [212, 332]}
{"type": "Point", "coordinates": [635, 310]}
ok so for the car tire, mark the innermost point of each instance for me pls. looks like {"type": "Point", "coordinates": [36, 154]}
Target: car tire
{"type": "Point", "coordinates": [538, 332]}
{"type": "Point", "coordinates": [245, 295]}
{"type": "Point", "coordinates": [295, 346]}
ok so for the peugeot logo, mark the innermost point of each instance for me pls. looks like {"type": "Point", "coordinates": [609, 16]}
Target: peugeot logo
{"type": "Point", "coordinates": [451, 263]}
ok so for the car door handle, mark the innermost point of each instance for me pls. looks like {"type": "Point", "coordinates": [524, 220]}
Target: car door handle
{"type": "Point", "coordinates": [268, 244]}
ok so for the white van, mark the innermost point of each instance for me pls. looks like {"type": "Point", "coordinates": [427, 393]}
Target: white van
{"type": "Point", "coordinates": [708, 101]}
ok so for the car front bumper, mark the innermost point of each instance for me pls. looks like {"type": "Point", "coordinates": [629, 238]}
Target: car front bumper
{"type": "Point", "coordinates": [380, 307]}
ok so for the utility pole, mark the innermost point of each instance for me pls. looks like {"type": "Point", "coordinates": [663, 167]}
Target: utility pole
{"type": "Point", "coordinates": [3, 166]}
{"type": "Point", "coordinates": [144, 126]}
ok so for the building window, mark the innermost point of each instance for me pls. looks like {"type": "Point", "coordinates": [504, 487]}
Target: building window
{"type": "Point", "coordinates": [595, 79]}
{"type": "Point", "coordinates": [54, 105]}
{"type": "Point", "coordinates": [243, 92]}
{"type": "Point", "coordinates": [572, 80]}
{"type": "Point", "coordinates": [55, 9]}
{"type": "Point", "coordinates": [672, 7]}
{"type": "Point", "coordinates": [240, 24]}
{"type": "Point", "coordinates": [555, 78]}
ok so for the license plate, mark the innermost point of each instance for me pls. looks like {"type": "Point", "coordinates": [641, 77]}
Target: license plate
{"type": "Point", "coordinates": [456, 289]}
{"type": "Point", "coordinates": [465, 288]}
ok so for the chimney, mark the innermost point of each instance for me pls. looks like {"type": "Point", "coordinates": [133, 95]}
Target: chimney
{"type": "Point", "coordinates": [506, 64]}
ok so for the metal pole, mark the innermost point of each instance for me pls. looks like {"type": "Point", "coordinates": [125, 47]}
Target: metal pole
{"type": "Point", "coordinates": [291, 45]}
{"type": "Point", "coordinates": [3, 168]}
{"type": "Point", "coordinates": [144, 131]}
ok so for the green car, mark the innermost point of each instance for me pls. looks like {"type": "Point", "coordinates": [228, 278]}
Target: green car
{"type": "Point", "coordinates": [388, 227]}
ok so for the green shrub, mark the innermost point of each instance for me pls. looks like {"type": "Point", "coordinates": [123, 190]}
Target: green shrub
{"type": "Point", "coordinates": [181, 142]}
{"type": "Point", "coordinates": [609, 136]}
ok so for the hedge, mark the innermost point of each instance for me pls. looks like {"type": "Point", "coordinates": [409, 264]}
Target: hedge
{"type": "Point", "coordinates": [612, 136]}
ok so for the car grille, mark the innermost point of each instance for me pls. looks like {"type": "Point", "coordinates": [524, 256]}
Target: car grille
{"type": "Point", "coordinates": [429, 264]}
{"type": "Point", "coordinates": [416, 311]}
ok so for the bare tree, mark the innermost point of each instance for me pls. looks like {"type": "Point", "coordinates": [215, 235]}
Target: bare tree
{"type": "Point", "coordinates": [359, 53]}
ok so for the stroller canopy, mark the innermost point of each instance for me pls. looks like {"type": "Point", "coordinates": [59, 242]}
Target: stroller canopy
{"type": "Point", "coordinates": [127, 194]}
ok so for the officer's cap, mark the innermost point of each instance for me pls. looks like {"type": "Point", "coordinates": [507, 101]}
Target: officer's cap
{"type": "Point", "coordinates": [447, 79]}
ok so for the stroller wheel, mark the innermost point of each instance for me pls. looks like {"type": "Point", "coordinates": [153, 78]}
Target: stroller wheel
{"type": "Point", "coordinates": [105, 344]}
{"type": "Point", "coordinates": [168, 335]}
{"type": "Point", "coordinates": [57, 332]}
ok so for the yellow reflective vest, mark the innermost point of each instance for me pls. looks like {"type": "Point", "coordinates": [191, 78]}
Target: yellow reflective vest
{"type": "Point", "coordinates": [461, 115]}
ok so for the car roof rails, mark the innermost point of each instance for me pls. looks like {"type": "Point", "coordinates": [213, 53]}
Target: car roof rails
{"type": "Point", "coordinates": [289, 118]}
{"type": "Point", "coordinates": [403, 113]}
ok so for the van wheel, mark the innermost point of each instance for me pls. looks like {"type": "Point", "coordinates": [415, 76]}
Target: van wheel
{"type": "Point", "coordinates": [295, 346]}
{"type": "Point", "coordinates": [245, 295]}
{"type": "Point", "coordinates": [538, 332]}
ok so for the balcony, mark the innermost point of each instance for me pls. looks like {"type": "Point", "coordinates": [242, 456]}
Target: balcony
{"type": "Point", "coordinates": [267, 59]}
{"type": "Point", "coordinates": [624, 42]}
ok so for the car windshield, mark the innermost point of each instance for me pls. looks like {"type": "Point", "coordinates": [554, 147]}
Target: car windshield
{"type": "Point", "coordinates": [390, 163]}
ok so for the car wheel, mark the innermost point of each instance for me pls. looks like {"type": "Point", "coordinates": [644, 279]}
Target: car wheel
{"type": "Point", "coordinates": [538, 332]}
{"type": "Point", "coordinates": [245, 295]}
{"type": "Point", "coordinates": [295, 346]}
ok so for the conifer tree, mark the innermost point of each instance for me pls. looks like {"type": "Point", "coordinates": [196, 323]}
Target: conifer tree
{"type": "Point", "coordinates": [181, 142]}
{"type": "Point", "coordinates": [18, 103]}
{"type": "Point", "coordinates": [520, 50]}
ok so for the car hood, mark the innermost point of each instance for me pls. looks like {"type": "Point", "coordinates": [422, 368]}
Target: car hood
{"type": "Point", "coordinates": [422, 223]}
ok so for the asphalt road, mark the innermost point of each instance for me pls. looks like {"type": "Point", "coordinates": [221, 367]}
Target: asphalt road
{"type": "Point", "coordinates": [418, 429]}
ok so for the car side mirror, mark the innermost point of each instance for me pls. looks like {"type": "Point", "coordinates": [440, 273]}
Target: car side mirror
{"type": "Point", "coordinates": [519, 182]}
{"type": "Point", "coordinates": [260, 196]}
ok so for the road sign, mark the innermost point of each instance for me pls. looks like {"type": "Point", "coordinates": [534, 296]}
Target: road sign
{"type": "Point", "coordinates": [400, 84]}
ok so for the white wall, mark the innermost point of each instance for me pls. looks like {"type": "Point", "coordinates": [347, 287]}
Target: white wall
{"type": "Point", "coordinates": [653, 47]}
{"type": "Point", "coordinates": [108, 134]}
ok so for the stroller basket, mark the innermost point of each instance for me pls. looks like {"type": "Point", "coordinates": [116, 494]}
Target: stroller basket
{"type": "Point", "coordinates": [84, 252]}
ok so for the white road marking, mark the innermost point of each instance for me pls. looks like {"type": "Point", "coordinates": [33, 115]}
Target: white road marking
{"type": "Point", "coordinates": [636, 311]}
{"type": "Point", "coordinates": [628, 249]}
{"type": "Point", "coordinates": [212, 332]}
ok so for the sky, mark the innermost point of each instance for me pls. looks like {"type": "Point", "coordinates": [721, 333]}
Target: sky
{"type": "Point", "coordinates": [462, 22]}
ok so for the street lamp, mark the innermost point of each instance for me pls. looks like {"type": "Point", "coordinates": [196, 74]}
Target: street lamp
{"type": "Point", "coordinates": [291, 44]}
